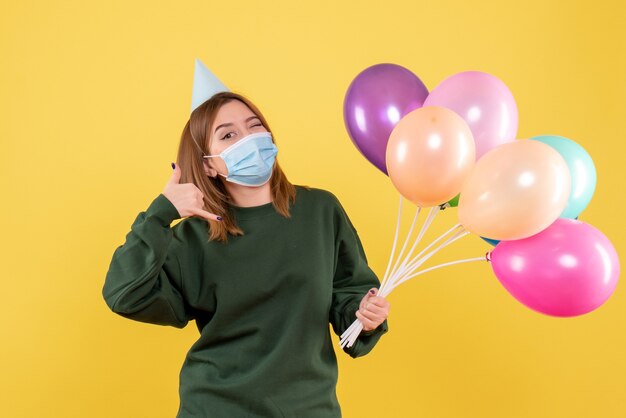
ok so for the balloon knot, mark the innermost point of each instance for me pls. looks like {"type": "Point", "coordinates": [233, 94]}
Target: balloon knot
{"type": "Point", "coordinates": [488, 256]}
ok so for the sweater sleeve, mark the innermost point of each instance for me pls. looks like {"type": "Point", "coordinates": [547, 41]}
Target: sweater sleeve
{"type": "Point", "coordinates": [144, 280]}
{"type": "Point", "coordinates": [352, 280]}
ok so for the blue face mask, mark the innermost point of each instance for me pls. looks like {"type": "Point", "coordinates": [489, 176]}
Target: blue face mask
{"type": "Point", "coordinates": [250, 160]}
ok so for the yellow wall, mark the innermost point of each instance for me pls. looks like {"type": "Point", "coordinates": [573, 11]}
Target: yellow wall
{"type": "Point", "coordinates": [93, 98]}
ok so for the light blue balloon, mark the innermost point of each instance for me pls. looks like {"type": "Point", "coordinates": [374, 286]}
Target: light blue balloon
{"type": "Point", "coordinates": [493, 242]}
{"type": "Point", "coordinates": [582, 171]}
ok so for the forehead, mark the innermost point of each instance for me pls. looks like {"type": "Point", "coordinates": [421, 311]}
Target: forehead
{"type": "Point", "coordinates": [233, 111]}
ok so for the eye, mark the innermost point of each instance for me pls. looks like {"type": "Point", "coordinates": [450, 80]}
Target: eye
{"type": "Point", "coordinates": [226, 136]}
{"type": "Point", "coordinates": [256, 124]}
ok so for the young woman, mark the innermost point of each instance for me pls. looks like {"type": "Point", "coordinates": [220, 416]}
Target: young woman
{"type": "Point", "coordinates": [261, 265]}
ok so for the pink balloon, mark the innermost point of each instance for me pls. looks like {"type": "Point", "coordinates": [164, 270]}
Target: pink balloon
{"type": "Point", "coordinates": [568, 269]}
{"type": "Point", "coordinates": [484, 102]}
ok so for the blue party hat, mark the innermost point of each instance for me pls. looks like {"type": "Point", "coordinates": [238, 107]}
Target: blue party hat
{"type": "Point", "coordinates": [205, 85]}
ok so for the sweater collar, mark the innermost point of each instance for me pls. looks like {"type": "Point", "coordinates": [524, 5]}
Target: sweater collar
{"type": "Point", "coordinates": [252, 212]}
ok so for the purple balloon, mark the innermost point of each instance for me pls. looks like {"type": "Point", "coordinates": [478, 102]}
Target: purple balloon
{"type": "Point", "coordinates": [568, 269]}
{"type": "Point", "coordinates": [484, 102]}
{"type": "Point", "coordinates": [375, 102]}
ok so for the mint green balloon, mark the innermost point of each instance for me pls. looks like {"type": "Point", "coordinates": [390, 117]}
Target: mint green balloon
{"type": "Point", "coordinates": [581, 169]}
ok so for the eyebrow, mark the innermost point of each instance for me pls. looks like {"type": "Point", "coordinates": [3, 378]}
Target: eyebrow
{"type": "Point", "coordinates": [230, 124]}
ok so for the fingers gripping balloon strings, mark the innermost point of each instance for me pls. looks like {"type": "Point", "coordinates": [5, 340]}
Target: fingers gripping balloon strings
{"type": "Point", "coordinates": [406, 267]}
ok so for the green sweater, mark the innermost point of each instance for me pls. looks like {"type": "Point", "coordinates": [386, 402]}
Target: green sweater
{"type": "Point", "coordinates": [262, 303]}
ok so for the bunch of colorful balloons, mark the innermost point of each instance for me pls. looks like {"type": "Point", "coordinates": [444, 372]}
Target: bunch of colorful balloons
{"type": "Point", "coordinates": [458, 146]}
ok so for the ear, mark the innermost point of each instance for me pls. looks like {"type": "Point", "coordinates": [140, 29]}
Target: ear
{"type": "Point", "coordinates": [208, 170]}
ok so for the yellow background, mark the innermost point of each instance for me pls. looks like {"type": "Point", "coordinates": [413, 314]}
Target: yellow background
{"type": "Point", "coordinates": [94, 96]}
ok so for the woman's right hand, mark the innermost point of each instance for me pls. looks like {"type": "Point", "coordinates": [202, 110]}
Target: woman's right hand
{"type": "Point", "coordinates": [186, 198]}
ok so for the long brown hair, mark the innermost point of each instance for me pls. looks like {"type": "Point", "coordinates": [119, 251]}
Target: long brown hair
{"type": "Point", "coordinates": [194, 142]}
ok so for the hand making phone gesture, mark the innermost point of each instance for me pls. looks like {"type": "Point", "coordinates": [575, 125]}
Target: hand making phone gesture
{"type": "Point", "coordinates": [186, 197]}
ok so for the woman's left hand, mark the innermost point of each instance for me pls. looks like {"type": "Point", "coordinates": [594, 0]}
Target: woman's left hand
{"type": "Point", "coordinates": [373, 310]}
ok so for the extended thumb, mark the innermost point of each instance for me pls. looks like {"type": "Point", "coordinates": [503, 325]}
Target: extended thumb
{"type": "Point", "coordinates": [175, 178]}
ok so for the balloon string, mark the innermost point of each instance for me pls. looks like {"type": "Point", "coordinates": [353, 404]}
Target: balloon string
{"type": "Point", "coordinates": [414, 262]}
{"type": "Point", "coordinates": [468, 260]}
{"type": "Point", "coordinates": [395, 242]}
{"type": "Point", "coordinates": [350, 339]}
{"type": "Point", "coordinates": [429, 219]}
{"type": "Point", "coordinates": [350, 329]}
{"type": "Point", "coordinates": [402, 278]}
{"type": "Point", "coordinates": [355, 335]}
{"type": "Point", "coordinates": [400, 255]}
